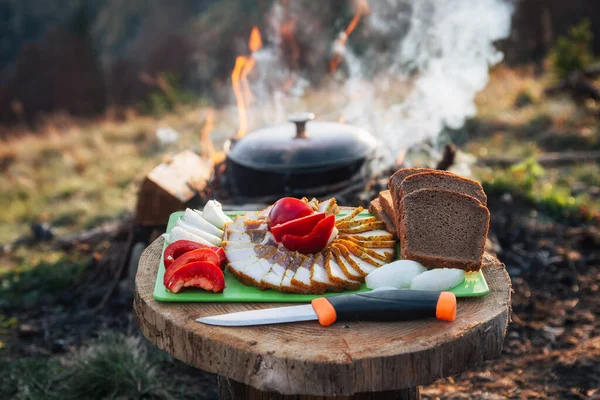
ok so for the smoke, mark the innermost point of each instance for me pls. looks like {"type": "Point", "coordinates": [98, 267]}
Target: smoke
{"type": "Point", "coordinates": [446, 54]}
{"type": "Point", "coordinates": [418, 71]}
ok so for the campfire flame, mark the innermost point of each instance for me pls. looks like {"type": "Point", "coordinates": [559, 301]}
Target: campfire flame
{"type": "Point", "coordinates": [255, 43]}
{"type": "Point", "coordinates": [207, 147]}
{"type": "Point", "coordinates": [240, 62]}
{"type": "Point", "coordinates": [239, 80]}
{"type": "Point", "coordinates": [246, 69]}
{"type": "Point", "coordinates": [339, 46]}
{"type": "Point", "coordinates": [400, 158]}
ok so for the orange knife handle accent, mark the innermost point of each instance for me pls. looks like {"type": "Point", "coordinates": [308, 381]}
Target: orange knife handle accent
{"type": "Point", "coordinates": [325, 311]}
{"type": "Point", "coordinates": [445, 308]}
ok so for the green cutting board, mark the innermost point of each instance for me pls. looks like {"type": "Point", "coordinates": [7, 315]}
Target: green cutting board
{"type": "Point", "coordinates": [474, 284]}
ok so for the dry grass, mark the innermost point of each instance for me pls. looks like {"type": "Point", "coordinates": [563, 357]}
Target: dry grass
{"type": "Point", "coordinates": [76, 176]}
{"type": "Point", "coordinates": [516, 119]}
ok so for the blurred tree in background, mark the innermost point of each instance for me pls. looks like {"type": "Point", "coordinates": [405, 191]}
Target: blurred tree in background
{"type": "Point", "coordinates": [84, 56]}
{"type": "Point", "coordinates": [573, 51]}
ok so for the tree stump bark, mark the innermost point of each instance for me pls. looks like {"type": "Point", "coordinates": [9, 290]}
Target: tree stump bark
{"type": "Point", "coordinates": [232, 390]}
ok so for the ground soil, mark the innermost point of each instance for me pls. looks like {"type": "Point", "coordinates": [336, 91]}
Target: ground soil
{"type": "Point", "coordinates": [552, 346]}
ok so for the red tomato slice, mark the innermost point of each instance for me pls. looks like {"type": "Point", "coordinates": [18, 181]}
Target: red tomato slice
{"type": "Point", "coordinates": [201, 274]}
{"type": "Point", "coordinates": [297, 227]}
{"type": "Point", "coordinates": [179, 247]}
{"type": "Point", "coordinates": [314, 241]}
{"type": "Point", "coordinates": [287, 209]}
{"type": "Point", "coordinates": [204, 254]}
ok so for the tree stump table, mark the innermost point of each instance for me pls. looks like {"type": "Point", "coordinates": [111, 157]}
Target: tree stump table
{"type": "Point", "coordinates": [363, 360]}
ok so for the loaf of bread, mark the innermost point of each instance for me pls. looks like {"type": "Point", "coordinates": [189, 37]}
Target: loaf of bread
{"type": "Point", "coordinates": [443, 229]}
{"type": "Point", "coordinates": [442, 180]}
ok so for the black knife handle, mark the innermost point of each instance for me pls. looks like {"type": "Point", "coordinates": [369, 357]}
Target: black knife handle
{"type": "Point", "coordinates": [386, 305]}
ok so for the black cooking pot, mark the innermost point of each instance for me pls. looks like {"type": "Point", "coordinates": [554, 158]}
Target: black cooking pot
{"type": "Point", "coordinates": [302, 157]}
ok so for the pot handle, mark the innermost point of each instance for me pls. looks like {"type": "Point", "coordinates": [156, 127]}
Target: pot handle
{"type": "Point", "coordinates": [300, 119]}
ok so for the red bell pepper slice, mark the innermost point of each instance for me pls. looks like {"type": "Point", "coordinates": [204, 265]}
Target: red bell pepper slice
{"type": "Point", "coordinates": [204, 254]}
{"type": "Point", "coordinates": [297, 227]}
{"type": "Point", "coordinates": [287, 209]}
{"type": "Point", "coordinates": [314, 241]}
{"type": "Point", "coordinates": [179, 247]}
{"type": "Point", "coordinates": [201, 274]}
{"type": "Point", "coordinates": [222, 257]}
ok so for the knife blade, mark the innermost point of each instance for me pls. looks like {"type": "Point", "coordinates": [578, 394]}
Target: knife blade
{"type": "Point", "coordinates": [377, 305]}
{"type": "Point", "coordinates": [263, 317]}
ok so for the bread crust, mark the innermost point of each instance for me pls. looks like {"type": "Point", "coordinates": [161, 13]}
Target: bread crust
{"type": "Point", "coordinates": [473, 188]}
{"type": "Point", "coordinates": [398, 176]}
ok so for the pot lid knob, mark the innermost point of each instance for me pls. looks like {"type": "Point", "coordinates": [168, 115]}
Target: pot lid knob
{"type": "Point", "coordinates": [300, 119]}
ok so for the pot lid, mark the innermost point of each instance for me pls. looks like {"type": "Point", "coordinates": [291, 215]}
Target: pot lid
{"type": "Point", "coordinates": [302, 143]}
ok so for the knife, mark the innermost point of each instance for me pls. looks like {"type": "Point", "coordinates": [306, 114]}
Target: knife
{"type": "Point", "coordinates": [385, 304]}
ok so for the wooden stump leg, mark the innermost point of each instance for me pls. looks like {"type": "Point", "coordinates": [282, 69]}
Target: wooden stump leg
{"type": "Point", "coordinates": [233, 390]}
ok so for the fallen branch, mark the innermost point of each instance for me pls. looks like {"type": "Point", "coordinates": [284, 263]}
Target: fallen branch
{"type": "Point", "coordinates": [448, 157]}
{"type": "Point", "coordinates": [579, 83]}
{"type": "Point", "coordinates": [592, 72]}
{"type": "Point", "coordinates": [93, 236]}
{"type": "Point", "coordinates": [547, 159]}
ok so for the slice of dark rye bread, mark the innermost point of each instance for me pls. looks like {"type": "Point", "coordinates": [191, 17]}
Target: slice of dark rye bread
{"type": "Point", "coordinates": [443, 229]}
{"type": "Point", "coordinates": [398, 176]}
{"type": "Point", "coordinates": [394, 186]}
{"type": "Point", "coordinates": [385, 199]}
{"type": "Point", "coordinates": [442, 180]}
{"type": "Point", "coordinates": [376, 209]}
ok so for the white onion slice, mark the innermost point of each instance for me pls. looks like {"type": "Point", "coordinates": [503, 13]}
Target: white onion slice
{"type": "Point", "coordinates": [178, 233]}
{"type": "Point", "coordinates": [438, 280]}
{"type": "Point", "coordinates": [213, 213]}
{"type": "Point", "coordinates": [397, 274]}
{"type": "Point", "coordinates": [212, 239]}
{"type": "Point", "coordinates": [194, 219]}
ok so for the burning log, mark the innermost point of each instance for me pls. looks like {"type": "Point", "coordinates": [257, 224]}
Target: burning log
{"type": "Point", "coordinates": [340, 44]}
{"type": "Point", "coordinates": [288, 29]}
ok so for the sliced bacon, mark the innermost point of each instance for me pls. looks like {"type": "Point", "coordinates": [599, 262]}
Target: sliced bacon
{"type": "Point", "coordinates": [349, 270]}
{"type": "Point", "coordinates": [337, 274]}
{"type": "Point", "coordinates": [320, 278]}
